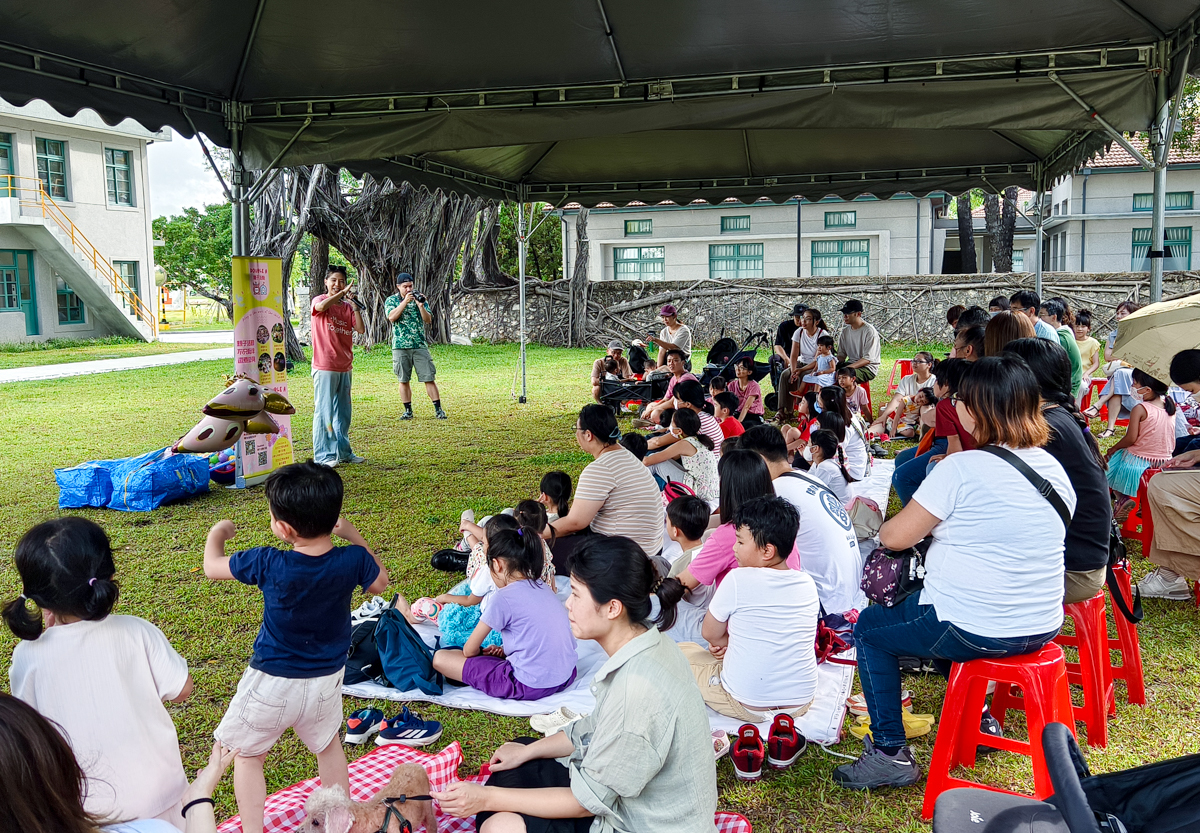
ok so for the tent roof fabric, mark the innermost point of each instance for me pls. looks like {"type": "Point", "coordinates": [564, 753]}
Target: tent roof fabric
{"type": "Point", "coordinates": [618, 100]}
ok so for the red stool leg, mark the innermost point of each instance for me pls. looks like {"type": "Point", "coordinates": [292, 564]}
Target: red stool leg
{"type": "Point", "coordinates": [1092, 670]}
{"type": "Point", "coordinates": [947, 743]}
{"type": "Point", "coordinates": [1126, 643]}
{"type": "Point", "coordinates": [1047, 699]}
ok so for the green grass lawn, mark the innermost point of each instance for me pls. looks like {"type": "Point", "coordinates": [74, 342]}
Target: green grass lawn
{"type": "Point", "coordinates": [198, 318]}
{"type": "Point", "coordinates": [406, 500]}
{"type": "Point", "coordinates": [61, 351]}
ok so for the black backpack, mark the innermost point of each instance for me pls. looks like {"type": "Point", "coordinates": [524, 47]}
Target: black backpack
{"type": "Point", "coordinates": [363, 664]}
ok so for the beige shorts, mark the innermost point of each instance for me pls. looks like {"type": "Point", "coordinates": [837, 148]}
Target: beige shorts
{"type": "Point", "coordinates": [265, 707]}
{"type": "Point", "coordinates": [707, 670]}
{"type": "Point", "coordinates": [403, 362]}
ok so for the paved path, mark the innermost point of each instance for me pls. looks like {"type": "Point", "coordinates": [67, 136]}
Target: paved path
{"type": "Point", "coordinates": [196, 336]}
{"type": "Point", "coordinates": [61, 371]}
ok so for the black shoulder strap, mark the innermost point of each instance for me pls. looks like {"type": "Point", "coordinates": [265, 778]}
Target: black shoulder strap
{"type": "Point", "coordinates": [1044, 487]}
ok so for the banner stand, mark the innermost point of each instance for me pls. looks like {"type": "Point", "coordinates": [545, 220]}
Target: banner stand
{"type": "Point", "coordinates": [259, 354]}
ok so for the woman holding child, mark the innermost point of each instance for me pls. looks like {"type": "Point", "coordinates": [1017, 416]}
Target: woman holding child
{"type": "Point", "coordinates": [986, 594]}
{"type": "Point", "coordinates": [642, 760]}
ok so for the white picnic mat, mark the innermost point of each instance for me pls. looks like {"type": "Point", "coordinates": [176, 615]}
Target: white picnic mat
{"type": "Point", "coordinates": [878, 484]}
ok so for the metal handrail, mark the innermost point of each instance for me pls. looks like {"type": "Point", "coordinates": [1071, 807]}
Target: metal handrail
{"type": "Point", "coordinates": [31, 193]}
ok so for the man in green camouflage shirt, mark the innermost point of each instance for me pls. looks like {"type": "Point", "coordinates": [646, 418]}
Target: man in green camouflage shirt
{"type": "Point", "coordinates": [408, 315]}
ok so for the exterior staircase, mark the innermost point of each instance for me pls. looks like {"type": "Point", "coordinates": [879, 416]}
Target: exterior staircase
{"type": "Point", "coordinates": [27, 208]}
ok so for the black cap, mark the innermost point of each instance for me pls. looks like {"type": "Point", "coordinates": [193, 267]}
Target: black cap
{"type": "Point", "coordinates": [691, 392]}
{"type": "Point", "coordinates": [799, 310]}
{"type": "Point", "coordinates": [853, 305]}
{"type": "Point", "coordinates": [403, 277]}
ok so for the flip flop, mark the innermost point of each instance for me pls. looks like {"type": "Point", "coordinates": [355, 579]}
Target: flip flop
{"type": "Point", "coordinates": [1091, 412]}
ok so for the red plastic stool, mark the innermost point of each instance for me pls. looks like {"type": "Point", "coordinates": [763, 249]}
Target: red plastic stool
{"type": "Point", "coordinates": [1138, 524]}
{"type": "Point", "coordinates": [1092, 671]}
{"type": "Point", "coordinates": [1126, 644]}
{"type": "Point", "coordinates": [1042, 676]}
{"type": "Point", "coordinates": [870, 408]}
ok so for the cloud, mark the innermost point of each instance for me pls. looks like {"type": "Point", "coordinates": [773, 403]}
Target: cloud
{"type": "Point", "coordinates": [180, 177]}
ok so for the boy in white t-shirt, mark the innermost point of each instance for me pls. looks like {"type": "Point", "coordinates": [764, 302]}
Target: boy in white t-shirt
{"type": "Point", "coordinates": [761, 625]}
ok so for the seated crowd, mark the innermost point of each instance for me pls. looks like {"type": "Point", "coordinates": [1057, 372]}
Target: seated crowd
{"type": "Point", "coordinates": [702, 558]}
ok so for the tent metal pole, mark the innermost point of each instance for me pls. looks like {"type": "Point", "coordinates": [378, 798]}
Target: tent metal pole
{"type": "Point", "coordinates": [1041, 234]}
{"type": "Point", "coordinates": [522, 248]}
{"type": "Point", "coordinates": [1159, 148]}
{"type": "Point", "coordinates": [241, 206]}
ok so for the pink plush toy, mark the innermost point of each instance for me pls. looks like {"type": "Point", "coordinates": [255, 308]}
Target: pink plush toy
{"type": "Point", "coordinates": [329, 810]}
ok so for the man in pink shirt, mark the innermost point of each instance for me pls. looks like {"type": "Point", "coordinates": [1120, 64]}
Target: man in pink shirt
{"type": "Point", "coordinates": [334, 323]}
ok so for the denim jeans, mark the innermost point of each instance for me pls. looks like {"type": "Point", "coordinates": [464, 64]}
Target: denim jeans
{"type": "Point", "coordinates": [331, 416]}
{"type": "Point", "coordinates": [882, 635]}
{"type": "Point", "coordinates": [910, 469]}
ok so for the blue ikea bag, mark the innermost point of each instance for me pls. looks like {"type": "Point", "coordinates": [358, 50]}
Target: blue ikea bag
{"type": "Point", "coordinates": [134, 484]}
{"type": "Point", "coordinates": [407, 661]}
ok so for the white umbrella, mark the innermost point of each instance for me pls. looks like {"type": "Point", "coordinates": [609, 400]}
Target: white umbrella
{"type": "Point", "coordinates": [1149, 338]}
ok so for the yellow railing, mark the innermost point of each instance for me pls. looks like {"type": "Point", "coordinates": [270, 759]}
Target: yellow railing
{"type": "Point", "coordinates": [32, 195]}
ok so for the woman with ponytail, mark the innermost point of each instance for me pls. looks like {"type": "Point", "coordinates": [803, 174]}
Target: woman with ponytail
{"type": "Point", "coordinates": [615, 495]}
{"type": "Point", "coordinates": [1085, 551]}
{"type": "Point", "coordinates": [854, 439]}
{"type": "Point", "coordinates": [642, 759]}
{"type": "Point", "coordinates": [101, 677]}
{"type": "Point", "coordinates": [538, 654]}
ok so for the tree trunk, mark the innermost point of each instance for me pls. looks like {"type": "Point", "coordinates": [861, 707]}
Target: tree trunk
{"type": "Point", "coordinates": [1008, 227]}
{"type": "Point", "coordinates": [991, 220]}
{"type": "Point", "coordinates": [482, 268]}
{"type": "Point", "coordinates": [578, 288]}
{"type": "Point", "coordinates": [966, 234]}
{"type": "Point", "coordinates": [318, 265]}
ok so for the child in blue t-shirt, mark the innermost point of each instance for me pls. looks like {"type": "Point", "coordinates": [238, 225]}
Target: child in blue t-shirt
{"type": "Point", "coordinates": [295, 675]}
{"type": "Point", "coordinates": [538, 655]}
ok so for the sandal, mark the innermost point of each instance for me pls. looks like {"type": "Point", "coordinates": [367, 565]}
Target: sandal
{"type": "Point", "coordinates": [1091, 413]}
{"type": "Point", "coordinates": [1106, 433]}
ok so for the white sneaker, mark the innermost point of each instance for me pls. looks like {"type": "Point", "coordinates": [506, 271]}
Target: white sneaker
{"type": "Point", "coordinates": [368, 610]}
{"type": "Point", "coordinates": [1164, 584]}
{"type": "Point", "coordinates": [354, 458]}
{"type": "Point", "coordinates": [548, 724]}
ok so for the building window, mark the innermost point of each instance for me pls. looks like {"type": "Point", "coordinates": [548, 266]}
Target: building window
{"type": "Point", "coordinates": [10, 286]}
{"type": "Point", "coordinates": [70, 308]}
{"type": "Point", "coordinates": [1178, 246]}
{"type": "Point", "coordinates": [841, 219]}
{"type": "Point", "coordinates": [6, 164]}
{"type": "Point", "coordinates": [52, 167]}
{"type": "Point", "coordinates": [1018, 260]}
{"type": "Point", "coordinates": [1058, 253]}
{"type": "Point", "coordinates": [634, 228]}
{"type": "Point", "coordinates": [729, 224]}
{"type": "Point", "coordinates": [645, 263]}
{"type": "Point", "coordinates": [831, 258]}
{"type": "Point", "coordinates": [118, 174]}
{"type": "Point", "coordinates": [1176, 201]}
{"type": "Point", "coordinates": [128, 270]}
{"type": "Point", "coordinates": [735, 261]}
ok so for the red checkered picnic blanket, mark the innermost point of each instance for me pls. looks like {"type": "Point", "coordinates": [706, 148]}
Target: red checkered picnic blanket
{"type": "Point", "coordinates": [285, 809]}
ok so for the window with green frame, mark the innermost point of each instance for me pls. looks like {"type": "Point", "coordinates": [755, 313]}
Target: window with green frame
{"type": "Point", "coordinates": [16, 269]}
{"type": "Point", "coordinates": [1178, 246]}
{"type": "Point", "coordinates": [645, 263]}
{"type": "Point", "coordinates": [1176, 201]}
{"type": "Point", "coordinates": [70, 308]}
{"type": "Point", "coordinates": [740, 223]}
{"type": "Point", "coordinates": [128, 270]}
{"type": "Point", "coordinates": [841, 219]}
{"type": "Point", "coordinates": [6, 163]}
{"type": "Point", "coordinates": [831, 258]}
{"type": "Point", "coordinates": [735, 261]}
{"type": "Point", "coordinates": [637, 228]}
{"type": "Point", "coordinates": [118, 175]}
{"type": "Point", "coordinates": [52, 167]}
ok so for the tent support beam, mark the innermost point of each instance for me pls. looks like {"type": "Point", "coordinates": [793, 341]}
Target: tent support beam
{"type": "Point", "coordinates": [241, 205]}
{"type": "Point", "coordinates": [1140, 18]}
{"type": "Point", "coordinates": [236, 92]}
{"type": "Point", "coordinates": [611, 42]}
{"type": "Point", "coordinates": [1041, 232]}
{"type": "Point", "coordinates": [1160, 144]}
{"type": "Point", "coordinates": [1118, 137]}
{"type": "Point", "coordinates": [272, 170]}
{"type": "Point", "coordinates": [211, 162]}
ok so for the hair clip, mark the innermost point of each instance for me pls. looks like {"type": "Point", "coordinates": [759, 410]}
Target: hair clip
{"type": "Point", "coordinates": [521, 532]}
{"type": "Point", "coordinates": [91, 582]}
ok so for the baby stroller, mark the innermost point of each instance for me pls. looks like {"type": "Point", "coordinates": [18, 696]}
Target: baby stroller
{"type": "Point", "coordinates": [725, 354]}
{"type": "Point", "coordinates": [1163, 797]}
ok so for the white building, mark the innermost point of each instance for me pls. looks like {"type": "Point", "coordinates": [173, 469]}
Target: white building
{"type": "Point", "coordinates": [1099, 219]}
{"type": "Point", "coordinates": [76, 249]}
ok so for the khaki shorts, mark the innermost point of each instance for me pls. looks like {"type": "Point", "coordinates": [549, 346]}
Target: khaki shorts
{"type": "Point", "coordinates": [707, 670]}
{"type": "Point", "coordinates": [403, 362]}
{"type": "Point", "coordinates": [265, 707]}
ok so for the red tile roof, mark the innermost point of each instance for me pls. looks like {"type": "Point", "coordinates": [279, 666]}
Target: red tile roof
{"type": "Point", "coordinates": [1118, 157]}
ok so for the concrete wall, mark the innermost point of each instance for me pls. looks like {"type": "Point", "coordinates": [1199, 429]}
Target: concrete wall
{"type": "Point", "coordinates": [911, 307]}
{"type": "Point", "coordinates": [118, 232]}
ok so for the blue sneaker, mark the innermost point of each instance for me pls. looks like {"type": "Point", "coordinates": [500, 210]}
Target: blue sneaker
{"type": "Point", "coordinates": [363, 723]}
{"type": "Point", "coordinates": [408, 729]}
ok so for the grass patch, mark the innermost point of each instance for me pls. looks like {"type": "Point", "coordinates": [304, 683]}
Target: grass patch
{"type": "Point", "coordinates": [406, 499]}
{"type": "Point", "coordinates": [64, 350]}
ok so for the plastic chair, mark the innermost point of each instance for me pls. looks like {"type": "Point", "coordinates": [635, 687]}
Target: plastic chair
{"type": "Point", "coordinates": [1093, 671]}
{"type": "Point", "coordinates": [1138, 524]}
{"type": "Point", "coordinates": [1094, 389]}
{"type": "Point", "coordinates": [870, 408]}
{"type": "Point", "coordinates": [1042, 676]}
{"type": "Point", "coordinates": [900, 369]}
{"type": "Point", "coordinates": [1126, 644]}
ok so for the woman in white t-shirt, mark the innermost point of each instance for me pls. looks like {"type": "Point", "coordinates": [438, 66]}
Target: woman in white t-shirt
{"type": "Point", "coordinates": [615, 494]}
{"type": "Point", "coordinates": [101, 677]}
{"type": "Point", "coordinates": [44, 785]}
{"type": "Point", "coordinates": [994, 570]}
{"type": "Point", "coordinates": [853, 439]}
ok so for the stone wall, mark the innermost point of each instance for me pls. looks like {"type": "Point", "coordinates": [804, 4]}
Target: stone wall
{"type": "Point", "coordinates": [911, 308]}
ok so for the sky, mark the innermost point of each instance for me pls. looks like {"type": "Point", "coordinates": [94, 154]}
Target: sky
{"type": "Point", "coordinates": [180, 177]}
